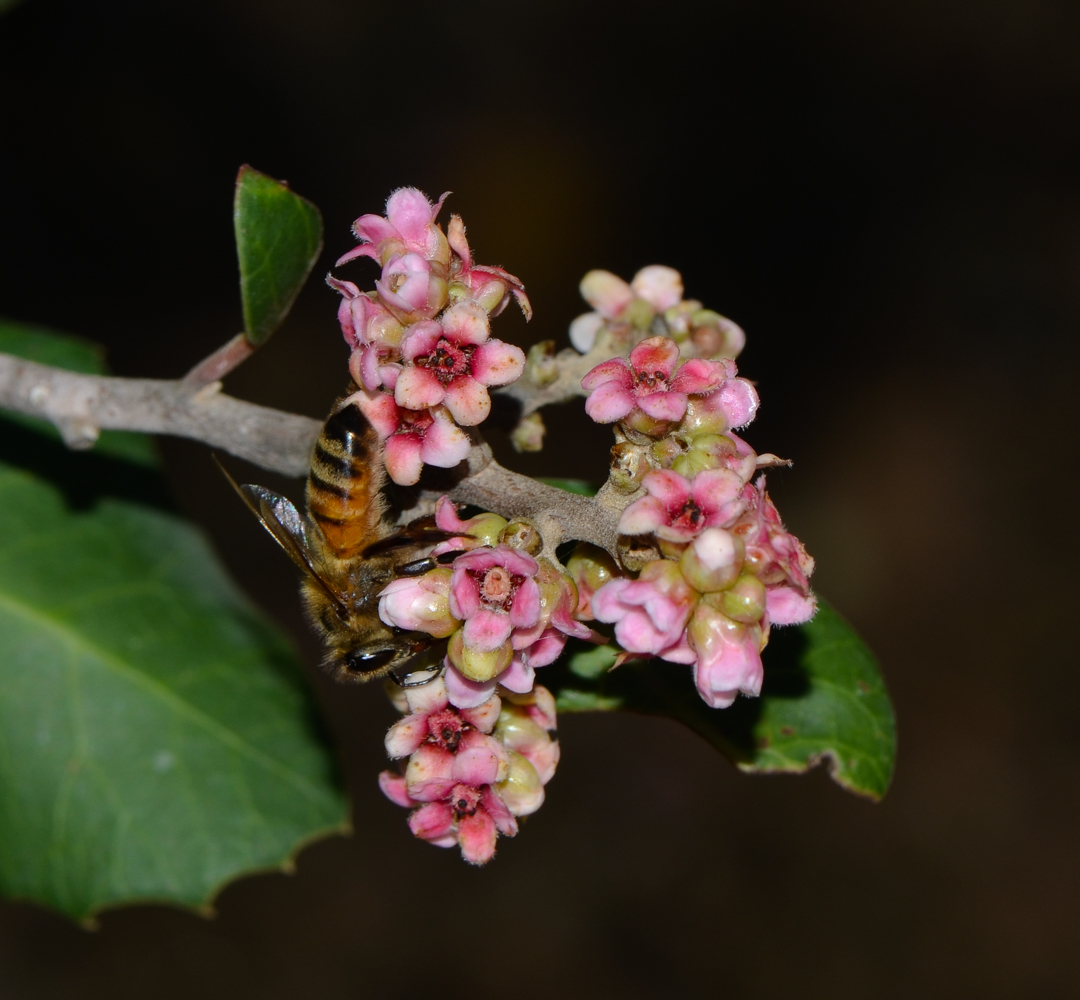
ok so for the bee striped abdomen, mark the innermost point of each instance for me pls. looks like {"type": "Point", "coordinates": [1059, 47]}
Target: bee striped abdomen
{"type": "Point", "coordinates": [343, 486]}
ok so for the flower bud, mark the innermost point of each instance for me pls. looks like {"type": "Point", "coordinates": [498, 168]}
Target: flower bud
{"type": "Point", "coordinates": [702, 419]}
{"type": "Point", "coordinates": [474, 664]}
{"type": "Point", "coordinates": [712, 561]}
{"type": "Point", "coordinates": [491, 295]}
{"type": "Point", "coordinates": [660, 286]}
{"type": "Point", "coordinates": [522, 791]}
{"type": "Point", "coordinates": [522, 534]}
{"type": "Point", "coordinates": [529, 433]}
{"type": "Point", "coordinates": [628, 466]}
{"type": "Point", "coordinates": [540, 366]}
{"type": "Point", "coordinates": [607, 293]}
{"type": "Point", "coordinates": [590, 567]}
{"type": "Point", "coordinates": [420, 604]}
{"type": "Point", "coordinates": [744, 601]}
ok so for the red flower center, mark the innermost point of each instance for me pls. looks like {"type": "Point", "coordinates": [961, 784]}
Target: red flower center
{"type": "Point", "coordinates": [646, 382]}
{"type": "Point", "coordinates": [447, 361]}
{"type": "Point", "coordinates": [690, 516]}
{"type": "Point", "coordinates": [414, 422]}
{"type": "Point", "coordinates": [445, 728]}
{"type": "Point", "coordinates": [464, 800]}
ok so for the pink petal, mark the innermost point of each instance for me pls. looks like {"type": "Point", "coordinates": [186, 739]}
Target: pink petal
{"type": "Point", "coordinates": [445, 444]}
{"type": "Point", "coordinates": [671, 489]}
{"type": "Point", "coordinates": [468, 401]}
{"type": "Point", "coordinates": [513, 560]}
{"type": "Point", "coordinates": [525, 609]}
{"type": "Point", "coordinates": [607, 293]}
{"type": "Point", "coordinates": [464, 593]}
{"type": "Point", "coordinates": [583, 331]}
{"type": "Point", "coordinates": [360, 251]}
{"type": "Point", "coordinates": [545, 650]}
{"type": "Point", "coordinates": [427, 698]}
{"type": "Point", "coordinates": [418, 388]}
{"type": "Point", "coordinates": [465, 693]}
{"type": "Point", "coordinates": [455, 236]}
{"type": "Point", "coordinates": [374, 229]}
{"type": "Point", "coordinates": [479, 760]}
{"type": "Point", "coordinates": [497, 810]}
{"type": "Point", "coordinates": [681, 652]}
{"type": "Point", "coordinates": [370, 378]}
{"type": "Point", "coordinates": [465, 323]}
{"type": "Point", "coordinates": [663, 405]}
{"type": "Point", "coordinates": [405, 735]}
{"type": "Point", "coordinates": [476, 834]}
{"type": "Point", "coordinates": [420, 339]}
{"type": "Point", "coordinates": [643, 516]}
{"type": "Point", "coordinates": [433, 821]}
{"type": "Point", "coordinates": [787, 606]}
{"type": "Point", "coordinates": [614, 370]}
{"type": "Point", "coordinates": [486, 630]}
{"type": "Point", "coordinates": [660, 286]}
{"type": "Point", "coordinates": [698, 375]}
{"type": "Point", "coordinates": [429, 773]}
{"type": "Point", "coordinates": [393, 787]}
{"type": "Point", "coordinates": [380, 409]}
{"type": "Point", "coordinates": [544, 758]}
{"type": "Point", "coordinates": [718, 493]}
{"type": "Point", "coordinates": [610, 402]}
{"type": "Point", "coordinates": [484, 716]}
{"type": "Point", "coordinates": [657, 354]}
{"type": "Point", "coordinates": [518, 677]}
{"type": "Point", "coordinates": [409, 212]}
{"type": "Point", "coordinates": [403, 460]}
{"type": "Point", "coordinates": [739, 401]}
{"type": "Point", "coordinates": [497, 363]}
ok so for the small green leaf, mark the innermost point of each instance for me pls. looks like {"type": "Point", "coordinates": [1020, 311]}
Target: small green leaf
{"type": "Point", "coordinates": [823, 699]}
{"type": "Point", "coordinates": [581, 487]}
{"type": "Point", "coordinates": [156, 739]}
{"type": "Point", "coordinates": [278, 240]}
{"type": "Point", "coordinates": [61, 350]}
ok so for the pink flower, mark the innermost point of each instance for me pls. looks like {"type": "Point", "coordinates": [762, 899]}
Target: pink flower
{"type": "Point", "coordinates": [408, 227]}
{"type": "Point", "coordinates": [453, 363]}
{"type": "Point", "coordinates": [678, 509]}
{"type": "Point", "coordinates": [372, 332]}
{"type": "Point", "coordinates": [777, 558]}
{"type": "Point", "coordinates": [419, 603]}
{"type": "Point", "coordinates": [728, 656]}
{"type": "Point", "coordinates": [493, 591]}
{"type": "Point", "coordinates": [647, 389]}
{"type": "Point", "coordinates": [410, 288]}
{"type": "Point", "coordinates": [650, 612]}
{"type": "Point", "coordinates": [732, 405]}
{"type": "Point", "coordinates": [489, 287]}
{"type": "Point", "coordinates": [413, 438]}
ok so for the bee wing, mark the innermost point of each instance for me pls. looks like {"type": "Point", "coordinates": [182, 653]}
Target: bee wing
{"type": "Point", "coordinates": [291, 530]}
{"type": "Point", "coordinates": [409, 536]}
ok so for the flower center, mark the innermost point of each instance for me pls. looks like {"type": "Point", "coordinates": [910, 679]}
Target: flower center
{"type": "Point", "coordinates": [646, 382]}
{"type": "Point", "coordinates": [464, 800]}
{"type": "Point", "coordinates": [447, 361]}
{"type": "Point", "coordinates": [497, 586]}
{"type": "Point", "coordinates": [691, 516]}
{"type": "Point", "coordinates": [414, 422]}
{"type": "Point", "coordinates": [445, 728]}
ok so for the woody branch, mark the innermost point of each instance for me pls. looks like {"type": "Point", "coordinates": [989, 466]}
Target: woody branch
{"type": "Point", "coordinates": [81, 406]}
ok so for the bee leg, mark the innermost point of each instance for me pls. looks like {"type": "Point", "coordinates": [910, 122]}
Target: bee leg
{"type": "Point", "coordinates": [416, 678]}
{"type": "Point", "coordinates": [418, 567]}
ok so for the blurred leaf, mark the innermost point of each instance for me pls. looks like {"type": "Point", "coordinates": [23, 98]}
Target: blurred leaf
{"type": "Point", "coordinates": [61, 350]}
{"type": "Point", "coordinates": [278, 240]}
{"type": "Point", "coordinates": [823, 699]}
{"type": "Point", "coordinates": [156, 739]}
{"type": "Point", "coordinates": [580, 486]}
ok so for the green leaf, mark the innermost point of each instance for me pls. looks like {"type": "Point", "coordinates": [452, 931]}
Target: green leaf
{"type": "Point", "coordinates": [61, 350]}
{"type": "Point", "coordinates": [579, 486]}
{"type": "Point", "coordinates": [823, 700]}
{"type": "Point", "coordinates": [156, 739]}
{"type": "Point", "coordinates": [278, 240]}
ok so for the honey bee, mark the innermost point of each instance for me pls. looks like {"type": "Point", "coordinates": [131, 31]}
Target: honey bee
{"type": "Point", "coordinates": [349, 552]}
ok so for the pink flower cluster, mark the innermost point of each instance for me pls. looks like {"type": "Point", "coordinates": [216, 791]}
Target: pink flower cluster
{"type": "Point", "coordinates": [422, 351]}
{"type": "Point", "coordinates": [727, 568]}
{"type": "Point", "coordinates": [471, 772]}
{"type": "Point", "coordinates": [654, 297]}
{"type": "Point", "coordinates": [503, 612]}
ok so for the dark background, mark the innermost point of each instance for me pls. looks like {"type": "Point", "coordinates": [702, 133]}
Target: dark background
{"type": "Point", "coordinates": [887, 197]}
